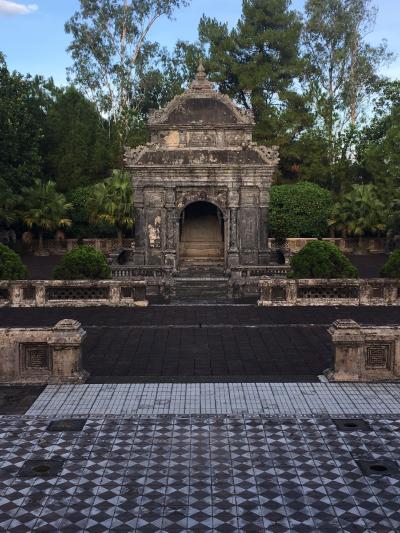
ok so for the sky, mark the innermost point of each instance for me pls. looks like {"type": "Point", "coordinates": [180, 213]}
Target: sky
{"type": "Point", "coordinates": [32, 32]}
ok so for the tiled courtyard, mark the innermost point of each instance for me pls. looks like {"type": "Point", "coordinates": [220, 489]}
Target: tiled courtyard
{"type": "Point", "coordinates": [247, 440]}
{"type": "Point", "coordinates": [200, 473]}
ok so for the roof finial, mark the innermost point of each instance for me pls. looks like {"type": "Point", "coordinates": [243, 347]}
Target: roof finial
{"type": "Point", "coordinates": [201, 73]}
{"type": "Point", "coordinates": [201, 82]}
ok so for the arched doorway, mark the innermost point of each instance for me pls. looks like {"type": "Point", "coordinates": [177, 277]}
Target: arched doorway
{"type": "Point", "coordinates": [201, 236]}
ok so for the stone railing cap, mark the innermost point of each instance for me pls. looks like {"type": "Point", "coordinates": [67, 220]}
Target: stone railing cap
{"type": "Point", "coordinates": [346, 324]}
{"type": "Point", "coordinates": [68, 325]}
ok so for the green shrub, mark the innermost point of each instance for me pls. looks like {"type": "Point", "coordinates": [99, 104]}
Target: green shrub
{"type": "Point", "coordinates": [321, 259]}
{"type": "Point", "coordinates": [11, 266]}
{"type": "Point", "coordinates": [392, 266]}
{"type": "Point", "coordinates": [300, 210]}
{"type": "Point", "coordinates": [83, 263]}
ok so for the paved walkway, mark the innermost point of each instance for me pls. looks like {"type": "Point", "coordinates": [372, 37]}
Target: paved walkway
{"type": "Point", "coordinates": [200, 474]}
{"type": "Point", "coordinates": [276, 399]}
{"type": "Point", "coordinates": [202, 344]}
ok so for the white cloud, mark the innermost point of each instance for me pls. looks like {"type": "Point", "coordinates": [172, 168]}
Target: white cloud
{"type": "Point", "coordinates": [15, 8]}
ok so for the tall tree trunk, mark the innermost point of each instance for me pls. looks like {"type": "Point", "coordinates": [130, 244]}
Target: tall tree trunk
{"type": "Point", "coordinates": [353, 80]}
{"type": "Point", "coordinates": [41, 247]}
{"type": "Point", "coordinates": [120, 237]}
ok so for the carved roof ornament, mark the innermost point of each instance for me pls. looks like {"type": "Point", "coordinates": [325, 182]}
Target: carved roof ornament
{"type": "Point", "coordinates": [201, 83]}
{"type": "Point", "coordinates": [200, 89]}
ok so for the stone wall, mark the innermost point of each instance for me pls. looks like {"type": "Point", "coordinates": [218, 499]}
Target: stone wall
{"type": "Point", "coordinates": [365, 353]}
{"type": "Point", "coordinates": [369, 245]}
{"type": "Point", "coordinates": [285, 292]}
{"type": "Point", "coordinates": [129, 293]}
{"type": "Point", "coordinates": [42, 355]}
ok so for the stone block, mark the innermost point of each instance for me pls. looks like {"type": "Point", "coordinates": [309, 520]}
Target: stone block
{"type": "Point", "coordinates": [43, 355]}
{"type": "Point", "coordinates": [365, 353]}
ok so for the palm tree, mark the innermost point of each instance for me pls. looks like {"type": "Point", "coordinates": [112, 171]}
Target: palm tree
{"type": "Point", "coordinates": [111, 201]}
{"type": "Point", "coordinates": [44, 208]}
{"type": "Point", "coordinates": [360, 212]}
{"type": "Point", "coordinates": [8, 205]}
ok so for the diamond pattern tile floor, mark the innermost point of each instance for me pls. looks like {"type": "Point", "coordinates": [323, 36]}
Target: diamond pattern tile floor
{"type": "Point", "coordinates": [200, 473]}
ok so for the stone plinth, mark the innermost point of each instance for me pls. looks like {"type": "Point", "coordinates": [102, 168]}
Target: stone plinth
{"type": "Point", "coordinates": [43, 355]}
{"type": "Point", "coordinates": [365, 353]}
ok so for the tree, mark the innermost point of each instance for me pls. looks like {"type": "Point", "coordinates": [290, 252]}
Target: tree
{"type": "Point", "coordinates": [300, 210]}
{"type": "Point", "coordinates": [378, 150]}
{"type": "Point", "coordinates": [21, 128]}
{"type": "Point", "coordinates": [77, 147]}
{"type": "Point", "coordinates": [112, 202]}
{"type": "Point", "coordinates": [391, 268]}
{"type": "Point", "coordinates": [257, 63]}
{"type": "Point", "coordinates": [360, 212]}
{"type": "Point", "coordinates": [8, 205]}
{"type": "Point", "coordinates": [11, 266]}
{"type": "Point", "coordinates": [323, 260]}
{"type": "Point", "coordinates": [342, 68]}
{"type": "Point", "coordinates": [109, 39]}
{"type": "Point", "coordinates": [82, 263]}
{"type": "Point", "coordinates": [44, 208]}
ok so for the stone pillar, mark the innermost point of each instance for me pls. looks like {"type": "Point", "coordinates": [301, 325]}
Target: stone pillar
{"type": "Point", "coordinates": [140, 236]}
{"type": "Point", "coordinates": [42, 355]}
{"type": "Point", "coordinates": [264, 253]}
{"type": "Point", "coordinates": [66, 343]}
{"type": "Point", "coordinates": [232, 234]}
{"type": "Point", "coordinates": [364, 353]}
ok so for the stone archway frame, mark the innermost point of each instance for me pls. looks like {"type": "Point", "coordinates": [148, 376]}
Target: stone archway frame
{"type": "Point", "coordinates": [225, 216]}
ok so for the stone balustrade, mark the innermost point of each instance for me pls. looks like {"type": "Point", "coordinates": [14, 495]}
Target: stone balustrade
{"type": "Point", "coordinates": [365, 353]}
{"type": "Point", "coordinates": [355, 292]}
{"type": "Point", "coordinates": [42, 355]}
{"type": "Point", "coordinates": [73, 293]}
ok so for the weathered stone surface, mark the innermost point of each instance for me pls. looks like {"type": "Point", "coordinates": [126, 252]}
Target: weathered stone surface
{"type": "Point", "coordinates": [287, 292]}
{"type": "Point", "coordinates": [201, 150]}
{"type": "Point", "coordinates": [43, 355]}
{"type": "Point", "coordinates": [77, 293]}
{"type": "Point", "coordinates": [365, 353]}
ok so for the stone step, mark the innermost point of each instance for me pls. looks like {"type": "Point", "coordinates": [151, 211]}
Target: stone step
{"type": "Point", "coordinates": [202, 289]}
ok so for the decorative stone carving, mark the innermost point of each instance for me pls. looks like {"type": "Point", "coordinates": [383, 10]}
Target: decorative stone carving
{"type": "Point", "coordinates": [365, 353]}
{"type": "Point", "coordinates": [43, 355]}
{"type": "Point", "coordinates": [201, 150]}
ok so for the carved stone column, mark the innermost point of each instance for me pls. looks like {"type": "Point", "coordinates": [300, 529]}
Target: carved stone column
{"type": "Point", "coordinates": [140, 236]}
{"type": "Point", "coordinates": [264, 253]}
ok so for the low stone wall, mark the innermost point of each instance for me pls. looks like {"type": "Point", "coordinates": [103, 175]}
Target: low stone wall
{"type": "Point", "coordinates": [129, 293]}
{"type": "Point", "coordinates": [365, 353]}
{"type": "Point", "coordinates": [368, 245]}
{"type": "Point", "coordinates": [42, 355]}
{"type": "Point", "coordinates": [285, 292]}
{"type": "Point", "coordinates": [62, 246]}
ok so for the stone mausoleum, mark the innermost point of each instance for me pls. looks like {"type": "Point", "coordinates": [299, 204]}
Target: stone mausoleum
{"type": "Point", "coordinates": [201, 186]}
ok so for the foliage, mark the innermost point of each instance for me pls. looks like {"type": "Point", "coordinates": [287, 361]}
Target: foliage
{"type": "Point", "coordinates": [81, 226]}
{"type": "Point", "coordinates": [21, 122]}
{"type": "Point", "coordinates": [44, 208]}
{"type": "Point", "coordinates": [11, 266]}
{"type": "Point", "coordinates": [82, 263]}
{"type": "Point", "coordinates": [8, 205]}
{"type": "Point", "coordinates": [378, 151]}
{"type": "Point", "coordinates": [257, 63]}
{"type": "Point", "coordinates": [111, 201]}
{"type": "Point", "coordinates": [360, 212]}
{"type": "Point", "coordinates": [300, 210]}
{"type": "Point", "coordinates": [392, 267]}
{"type": "Point", "coordinates": [78, 149]}
{"type": "Point", "coordinates": [342, 67]}
{"type": "Point", "coordinates": [321, 259]}
{"type": "Point", "coordinates": [109, 40]}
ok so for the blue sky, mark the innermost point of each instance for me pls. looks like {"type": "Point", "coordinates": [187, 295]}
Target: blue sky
{"type": "Point", "coordinates": [32, 32]}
